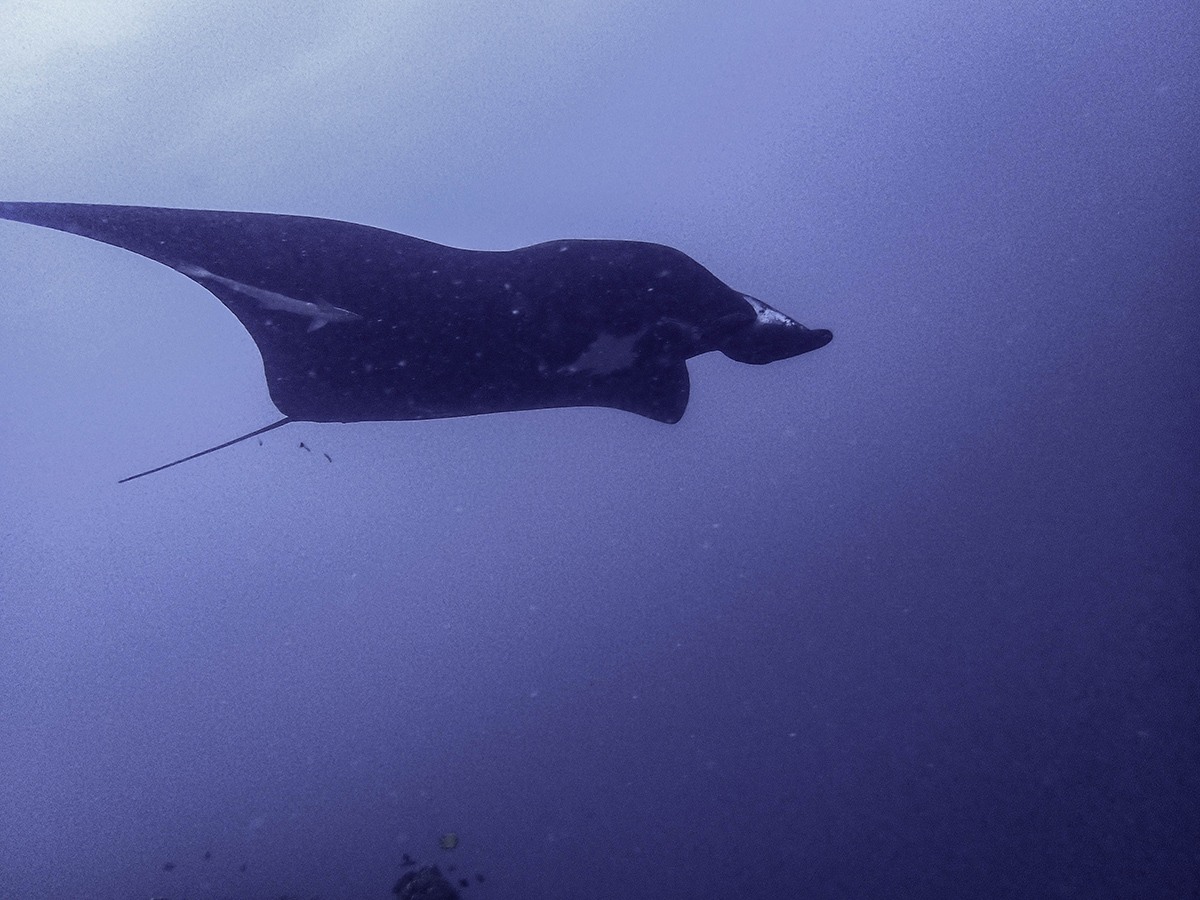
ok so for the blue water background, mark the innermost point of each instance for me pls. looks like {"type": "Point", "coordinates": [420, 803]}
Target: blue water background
{"type": "Point", "coordinates": [911, 616]}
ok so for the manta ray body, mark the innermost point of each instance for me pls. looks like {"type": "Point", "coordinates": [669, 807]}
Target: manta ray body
{"type": "Point", "coordinates": [356, 323]}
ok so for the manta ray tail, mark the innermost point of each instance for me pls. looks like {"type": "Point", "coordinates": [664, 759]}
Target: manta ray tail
{"type": "Point", "coordinates": [236, 440]}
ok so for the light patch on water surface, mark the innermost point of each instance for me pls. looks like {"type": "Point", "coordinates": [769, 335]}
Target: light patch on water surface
{"type": "Point", "coordinates": [36, 35]}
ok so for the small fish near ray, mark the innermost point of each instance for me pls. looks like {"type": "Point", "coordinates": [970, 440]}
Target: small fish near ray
{"type": "Point", "coordinates": [359, 324]}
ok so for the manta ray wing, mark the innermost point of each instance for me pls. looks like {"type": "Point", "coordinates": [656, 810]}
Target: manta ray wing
{"type": "Point", "coordinates": [356, 323]}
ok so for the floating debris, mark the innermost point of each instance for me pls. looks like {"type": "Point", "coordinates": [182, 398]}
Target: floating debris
{"type": "Point", "coordinates": [425, 883]}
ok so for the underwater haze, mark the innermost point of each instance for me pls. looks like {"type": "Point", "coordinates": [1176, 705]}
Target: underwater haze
{"type": "Point", "coordinates": [914, 615]}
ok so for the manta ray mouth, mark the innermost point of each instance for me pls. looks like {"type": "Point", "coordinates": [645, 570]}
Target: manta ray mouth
{"type": "Point", "coordinates": [771, 336]}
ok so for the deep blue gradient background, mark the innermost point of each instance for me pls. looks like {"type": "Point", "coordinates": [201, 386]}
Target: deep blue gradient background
{"type": "Point", "coordinates": [911, 616]}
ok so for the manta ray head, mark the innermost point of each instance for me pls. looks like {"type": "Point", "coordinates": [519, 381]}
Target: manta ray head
{"type": "Point", "coordinates": [769, 336]}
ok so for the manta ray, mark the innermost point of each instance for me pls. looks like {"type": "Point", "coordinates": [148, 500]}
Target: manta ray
{"type": "Point", "coordinates": [360, 324]}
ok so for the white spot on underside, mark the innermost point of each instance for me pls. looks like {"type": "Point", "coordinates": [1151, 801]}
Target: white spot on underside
{"type": "Point", "coordinates": [607, 354]}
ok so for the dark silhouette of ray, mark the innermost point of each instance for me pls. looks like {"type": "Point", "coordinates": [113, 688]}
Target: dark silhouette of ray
{"type": "Point", "coordinates": [359, 324]}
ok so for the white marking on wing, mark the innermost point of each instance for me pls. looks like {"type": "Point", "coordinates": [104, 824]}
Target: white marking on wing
{"type": "Point", "coordinates": [321, 313]}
